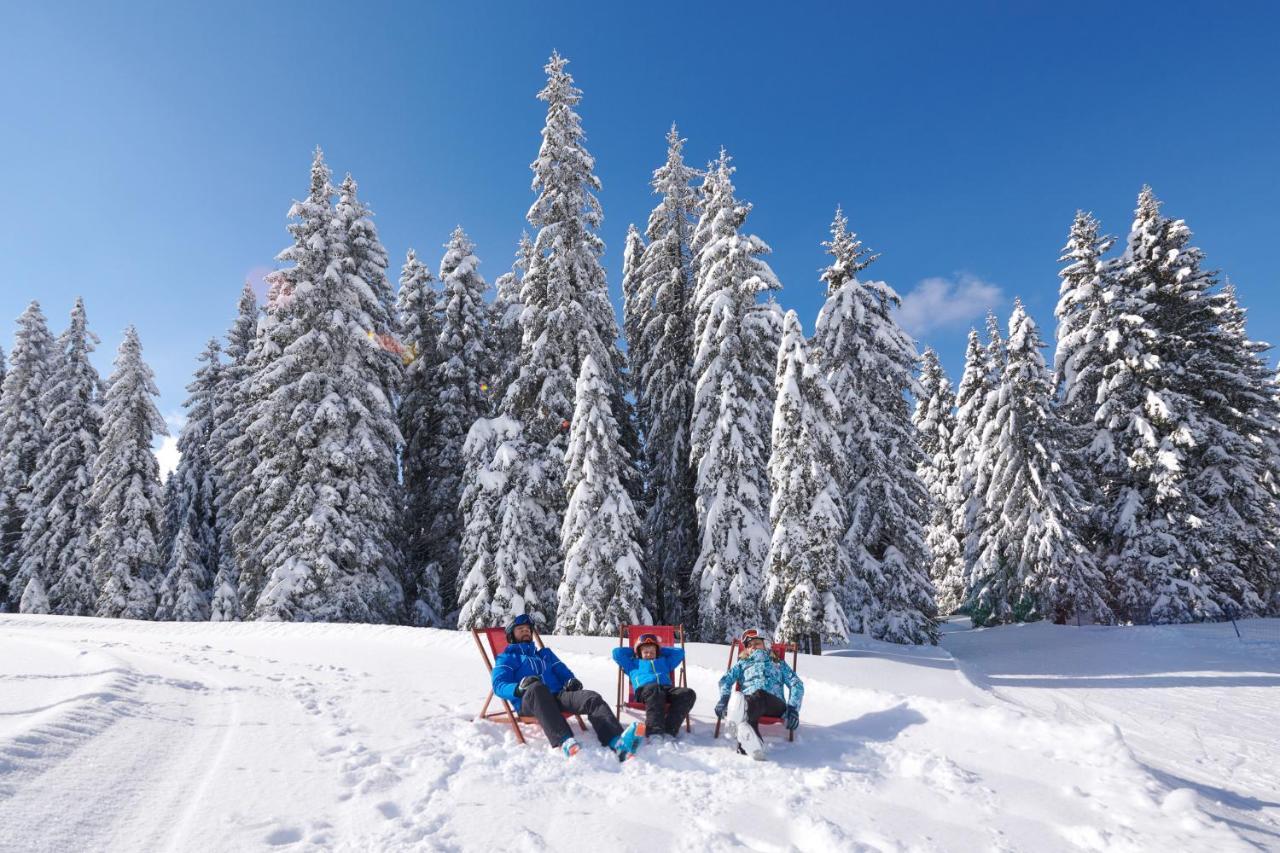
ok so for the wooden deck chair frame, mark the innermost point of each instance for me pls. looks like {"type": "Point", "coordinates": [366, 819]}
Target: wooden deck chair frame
{"type": "Point", "coordinates": [625, 634]}
{"type": "Point", "coordinates": [508, 715]}
{"type": "Point", "coordinates": [779, 649]}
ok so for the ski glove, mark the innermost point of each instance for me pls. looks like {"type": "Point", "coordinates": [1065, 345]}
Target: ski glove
{"type": "Point", "coordinates": [573, 684]}
{"type": "Point", "coordinates": [527, 682]}
{"type": "Point", "coordinates": [722, 707]}
{"type": "Point", "coordinates": [792, 717]}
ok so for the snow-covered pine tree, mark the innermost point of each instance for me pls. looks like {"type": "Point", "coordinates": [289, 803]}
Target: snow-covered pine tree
{"type": "Point", "coordinates": [636, 306]}
{"type": "Point", "coordinates": [1031, 563]}
{"type": "Point", "coordinates": [1148, 425]}
{"type": "Point", "coordinates": [230, 452]}
{"type": "Point", "coordinates": [324, 423]}
{"type": "Point", "coordinates": [464, 362]}
{"type": "Point", "coordinates": [935, 424]}
{"type": "Point", "coordinates": [728, 440]}
{"type": "Point", "coordinates": [504, 326]}
{"type": "Point", "coordinates": [602, 588]}
{"type": "Point", "coordinates": [418, 309]}
{"type": "Point", "coordinates": [22, 435]}
{"type": "Point", "coordinates": [807, 562]}
{"type": "Point", "coordinates": [978, 409]}
{"type": "Point", "coordinates": [184, 593]}
{"type": "Point", "coordinates": [661, 359]}
{"type": "Point", "coordinates": [566, 317]}
{"type": "Point", "coordinates": [54, 573]}
{"type": "Point", "coordinates": [126, 496]}
{"type": "Point", "coordinates": [870, 364]}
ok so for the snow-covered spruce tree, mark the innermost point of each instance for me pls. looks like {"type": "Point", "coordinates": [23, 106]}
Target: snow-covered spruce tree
{"type": "Point", "coordinates": [126, 496]}
{"type": "Point", "coordinates": [184, 594]}
{"type": "Point", "coordinates": [566, 317]}
{"type": "Point", "coordinates": [504, 326]}
{"type": "Point", "coordinates": [324, 423]}
{"type": "Point", "coordinates": [602, 587]}
{"type": "Point", "coordinates": [661, 353]}
{"type": "Point", "coordinates": [54, 573]}
{"type": "Point", "coordinates": [1148, 424]}
{"type": "Point", "coordinates": [22, 435]}
{"type": "Point", "coordinates": [1031, 563]}
{"type": "Point", "coordinates": [807, 563]}
{"type": "Point", "coordinates": [418, 309]}
{"type": "Point", "coordinates": [978, 410]}
{"type": "Point", "coordinates": [728, 439]}
{"type": "Point", "coordinates": [464, 363]}
{"type": "Point", "coordinates": [935, 424]}
{"type": "Point", "coordinates": [870, 364]}
{"type": "Point", "coordinates": [636, 305]}
{"type": "Point", "coordinates": [230, 452]}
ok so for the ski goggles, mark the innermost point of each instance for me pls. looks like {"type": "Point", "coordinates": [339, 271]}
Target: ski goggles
{"type": "Point", "coordinates": [648, 639]}
{"type": "Point", "coordinates": [752, 636]}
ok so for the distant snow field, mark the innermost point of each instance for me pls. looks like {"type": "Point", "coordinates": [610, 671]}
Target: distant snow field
{"type": "Point", "coordinates": [119, 735]}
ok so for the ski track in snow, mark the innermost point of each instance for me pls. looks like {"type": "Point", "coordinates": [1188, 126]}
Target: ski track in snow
{"type": "Point", "coordinates": [122, 735]}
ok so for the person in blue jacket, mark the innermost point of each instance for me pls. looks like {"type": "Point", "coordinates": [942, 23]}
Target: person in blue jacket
{"type": "Point", "coordinates": [762, 678]}
{"type": "Point", "coordinates": [650, 668]}
{"type": "Point", "coordinates": [538, 683]}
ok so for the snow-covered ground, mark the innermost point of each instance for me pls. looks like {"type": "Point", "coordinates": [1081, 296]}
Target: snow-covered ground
{"type": "Point", "coordinates": [120, 735]}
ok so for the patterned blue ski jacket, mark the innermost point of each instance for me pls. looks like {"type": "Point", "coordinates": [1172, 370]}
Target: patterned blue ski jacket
{"type": "Point", "coordinates": [760, 671]}
{"type": "Point", "coordinates": [642, 672]}
{"type": "Point", "coordinates": [520, 660]}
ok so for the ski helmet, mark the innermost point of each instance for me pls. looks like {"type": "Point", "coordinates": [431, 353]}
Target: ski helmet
{"type": "Point", "coordinates": [648, 640]}
{"type": "Point", "coordinates": [522, 619]}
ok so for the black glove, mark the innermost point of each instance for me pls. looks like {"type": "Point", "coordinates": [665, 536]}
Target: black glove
{"type": "Point", "coordinates": [573, 684]}
{"type": "Point", "coordinates": [722, 707]}
{"type": "Point", "coordinates": [527, 682]}
{"type": "Point", "coordinates": [792, 717]}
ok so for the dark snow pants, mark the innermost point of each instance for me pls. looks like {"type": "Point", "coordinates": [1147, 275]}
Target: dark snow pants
{"type": "Point", "coordinates": [660, 719]}
{"type": "Point", "coordinates": [762, 703]}
{"type": "Point", "coordinates": [540, 702]}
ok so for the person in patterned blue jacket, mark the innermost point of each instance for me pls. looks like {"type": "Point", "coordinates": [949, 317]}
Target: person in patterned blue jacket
{"type": "Point", "coordinates": [538, 683]}
{"type": "Point", "coordinates": [762, 677]}
{"type": "Point", "coordinates": [650, 668]}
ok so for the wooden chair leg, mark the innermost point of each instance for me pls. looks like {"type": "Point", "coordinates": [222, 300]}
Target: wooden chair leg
{"type": "Point", "coordinates": [515, 724]}
{"type": "Point", "coordinates": [484, 710]}
{"type": "Point", "coordinates": [581, 724]}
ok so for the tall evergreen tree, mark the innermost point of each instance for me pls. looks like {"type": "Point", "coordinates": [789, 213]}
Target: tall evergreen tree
{"type": "Point", "coordinates": [729, 445]}
{"type": "Point", "coordinates": [464, 364]}
{"type": "Point", "coordinates": [935, 424]}
{"type": "Point", "coordinates": [231, 453]}
{"type": "Point", "coordinates": [602, 587]}
{"type": "Point", "coordinates": [807, 564]}
{"type": "Point", "coordinates": [978, 413]}
{"type": "Point", "coordinates": [22, 435]}
{"type": "Point", "coordinates": [661, 362]}
{"type": "Point", "coordinates": [870, 364]}
{"type": "Point", "coordinates": [324, 423]}
{"type": "Point", "coordinates": [1031, 563]}
{"type": "Point", "coordinates": [184, 593]}
{"type": "Point", "coordinates": [54, 573]}
{"type": "Point", "coordinates": [126, 496]}
{"type": "Point", "coordinates": [504, 326]}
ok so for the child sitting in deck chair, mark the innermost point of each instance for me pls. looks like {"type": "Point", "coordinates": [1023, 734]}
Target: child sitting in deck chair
{"type": "Point", "coordinates": [762, 677]}
{"type": "Point", "coordinates": [650, 668]}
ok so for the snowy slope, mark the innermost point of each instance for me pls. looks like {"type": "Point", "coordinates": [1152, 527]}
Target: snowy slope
{"type": "Point", "coordinates": [125, 736]}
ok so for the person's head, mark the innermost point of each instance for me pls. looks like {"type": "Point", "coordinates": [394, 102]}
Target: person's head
{"type": "Point", "coordinates": [520, 630]}
{"type": "Point", "coordinates": [647, 646]}
{"type": "Point", "coordinates": [754, 640]}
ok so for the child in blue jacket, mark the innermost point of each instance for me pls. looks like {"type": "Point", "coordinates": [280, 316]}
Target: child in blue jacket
{"type": "Point", "coordinates": [650, 668]}
{"type": "Point", "coordinates": [538, 683]}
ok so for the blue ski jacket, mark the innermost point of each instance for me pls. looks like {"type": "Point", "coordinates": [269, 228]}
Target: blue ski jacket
{"type": "Point", "coordinates": [642, 672]}
{"type": "Point", "coordinates": [520, 660]}
{"type": "Point", "coordinates": [761, 671]}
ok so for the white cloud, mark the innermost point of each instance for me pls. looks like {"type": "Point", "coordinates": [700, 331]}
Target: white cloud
{"type": "Point", "coordinates": [167, 453]}
{"type": "Point", "coordinates": [940, 303]}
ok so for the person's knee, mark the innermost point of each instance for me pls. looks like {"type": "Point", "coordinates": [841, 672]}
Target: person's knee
{"type": "Point", "coordinates": [538, 692]}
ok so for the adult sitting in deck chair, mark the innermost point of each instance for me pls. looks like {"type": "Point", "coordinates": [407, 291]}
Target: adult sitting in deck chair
{"type": "Point", "coordinates": [762, 676]}
{"type": "Point", "coordinates": [536, 682]}
{"type": "Point", "coordinates": [650, 668]}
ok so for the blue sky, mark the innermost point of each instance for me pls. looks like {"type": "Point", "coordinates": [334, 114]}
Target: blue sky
{"type": "Point", "coordinates": [152, 149]}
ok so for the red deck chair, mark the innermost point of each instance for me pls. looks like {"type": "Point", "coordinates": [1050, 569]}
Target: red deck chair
{"type": "Point", "coordinates": [668, 635]}
{"type": "Point", "coordinates": [497, 639]}
{"type": "Point", "coordinates": [780, 652]}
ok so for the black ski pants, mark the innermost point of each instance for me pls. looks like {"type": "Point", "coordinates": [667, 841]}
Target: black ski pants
{"type": "Point", "coordinates": [540, 702]}
{"type": "Point", "coordinates": [659, 717]}
{"type": "Point", "coordinates": [762, 703]}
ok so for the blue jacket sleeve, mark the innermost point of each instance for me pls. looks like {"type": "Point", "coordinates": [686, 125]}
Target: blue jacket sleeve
{"type": "Point", "coordinates": [673, 657]}
{"type": "Point", "coordinates": [730, 678]}
{"type": "Point", "coordinates": [625, 658]}
{"type": "Point", "coordinates": [795, 687]}
{"type": "Point", "coordinates": [554, 664]}
{"type": "Point", "coordinates": [504, 678]}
